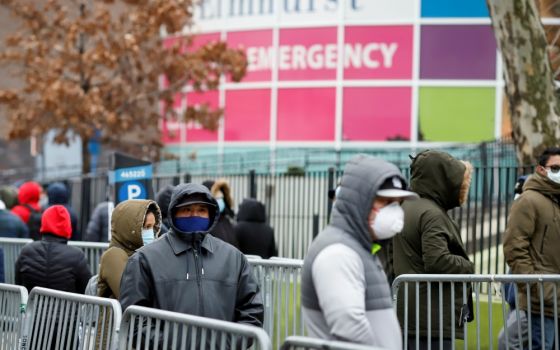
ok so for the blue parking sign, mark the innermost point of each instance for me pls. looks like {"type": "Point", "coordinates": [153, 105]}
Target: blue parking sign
{"type": "Point", "coordinates": [132, 190]}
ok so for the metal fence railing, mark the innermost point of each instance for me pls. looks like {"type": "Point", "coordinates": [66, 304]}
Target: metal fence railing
{"type": "Point", "coordinates": [280, 283]}
{"type": "Point", "coordinates": [92, 251]}
{"type": "Point", "coordinates": [12, 248]}
{"type": "Point", "coordinates": [437, 307]}
{"type": "Point", "coordinates": [62, 320]}
{"type": "Point", "coordinates": [148, 328]}
{"type": "Point", "coordinates": [13, 300]}
{"type": "Point", "coordinates": [306, 343]}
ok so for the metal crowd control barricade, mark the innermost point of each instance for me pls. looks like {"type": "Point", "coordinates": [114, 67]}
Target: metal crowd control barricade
{"type": "Point", "coordinates": [61, 320]}
{"type": "Point", "coordinates": [13, 300]}
{"type": "Point", "coordinates": [92, 251]}
{"type": "Point", "coordinates": [447, 298]}
{"type": "Point", "coordinates": [306, 343]}
{"type": "Point", "coordinates": [11, 247]}
{"type": "Point", "coordinates": [147, 328]}
{"type": "Point", "coordinates": [280, 282]}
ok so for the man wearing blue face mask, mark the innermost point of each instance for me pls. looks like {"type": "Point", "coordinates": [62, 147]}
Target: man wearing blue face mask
{"type": "Point", "coordinates": [190, 271]}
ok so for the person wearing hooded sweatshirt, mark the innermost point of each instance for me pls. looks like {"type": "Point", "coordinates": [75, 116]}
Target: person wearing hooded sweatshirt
{"type": "Point", "coordinates": [51, 262]}
{"type": "Point", "coordinates": [163, 197]}
{"type": "Point", "coordinates": [223, 229]}
{"type": "Point", "coordinates": [11, 225]}
{"type": "Point", "coordinates": [58, 194]}
{"type": "Point", "coordinates": [430, 243]}
{"type": "Point", "coordinates": [344, 290]}
{"type": "Point", "coordinates": [134, 223]}
{"type": "Point", "coordinates": [190, 271]}
{"type": "Point", "coordinates": [9, 195]}
{"type": "Point", "coordinates": [254, 235]}
{"type": "Point", "coordinates": [28, 197]}
{"type": "Point", "coordinates": [532, 242]}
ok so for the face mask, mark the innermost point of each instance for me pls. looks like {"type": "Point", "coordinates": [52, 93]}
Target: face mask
{"type": "Point", "coordinates": [44, 201]}
{"type": "Point", "coordinates": [555, 177]}
{"type": "Point", "coordinates": [388, 222]}
{"type": "Point", "coordinates": [221, 204]}
{"type": "Point", "coordinates": [192, 224]}
{"type": "Point", "coordinates": [147, 235]}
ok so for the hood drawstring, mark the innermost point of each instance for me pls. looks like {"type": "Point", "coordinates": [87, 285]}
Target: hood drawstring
{"type": "Point", "coordinates": [187, 258]}
{"type": "Point", "coordinates": [201, 262]}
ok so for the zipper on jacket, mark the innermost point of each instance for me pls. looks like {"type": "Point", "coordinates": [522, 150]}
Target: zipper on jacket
{"type": "Point", "coordinates": [543, 237]}
{"type": "Point", "coordinates": [199, 273]}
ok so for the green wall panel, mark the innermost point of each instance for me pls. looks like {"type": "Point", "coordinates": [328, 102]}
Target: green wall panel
{"type": "Point", "coordinates": [456, 114]}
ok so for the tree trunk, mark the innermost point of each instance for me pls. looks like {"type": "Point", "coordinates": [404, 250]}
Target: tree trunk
{"type": "Point", "coordinates": [528, 76]}
{"type": "Point", "coordinates": [86, 156]}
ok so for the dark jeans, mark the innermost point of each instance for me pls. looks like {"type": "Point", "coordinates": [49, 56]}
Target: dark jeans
{"type": "Point", "coordinates": [536, 331]}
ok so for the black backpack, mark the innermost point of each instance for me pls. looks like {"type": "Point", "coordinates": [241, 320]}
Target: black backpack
{"type": "Point", "coordinates": [34, 222]}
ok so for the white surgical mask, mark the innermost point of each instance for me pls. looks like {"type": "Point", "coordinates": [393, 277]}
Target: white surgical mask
{"type": "Point", "coordinates": [555, 177]}
{"type": "Point", "coordinates": [388, 221]}
{"type": "Point", "coordinates": [147, 235]}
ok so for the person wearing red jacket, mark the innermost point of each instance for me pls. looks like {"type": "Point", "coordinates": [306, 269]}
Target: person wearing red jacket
{"type": "Point", "coordinates": [28, 196]}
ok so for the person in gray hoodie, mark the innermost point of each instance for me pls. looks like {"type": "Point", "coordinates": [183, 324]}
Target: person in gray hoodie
{"type": "Point", "coordinates": [345, 294]}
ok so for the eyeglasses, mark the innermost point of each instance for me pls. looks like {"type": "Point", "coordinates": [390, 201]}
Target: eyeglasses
{"type": "Point", "coordinates": [554, 168]}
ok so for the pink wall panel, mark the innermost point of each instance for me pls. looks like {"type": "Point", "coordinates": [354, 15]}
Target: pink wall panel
{"type": "Point", "coordinates": [307, 54]}
{"type": "Point", "coordinates": [195, 132]}
{"type": "Point", "coordinates": [376, 114]}
{"type": "Point", "coordinates": [257, 45]}
{"type": "Point", "coordinates": [247, 115]}
{"type": "Point", "coordinates": [306, 114]}
{"type": "Point", "coordinates": [378, 52]}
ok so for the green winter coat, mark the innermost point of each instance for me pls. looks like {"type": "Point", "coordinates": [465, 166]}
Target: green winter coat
{"type": "Point", "coordinates": [127, 221]}
{"type": "Point", "coordinates": [430, 242]}
{"type": "Point", "coordinates": [126, 237]}
{"type": "Point", "coordinates": [532, 239]}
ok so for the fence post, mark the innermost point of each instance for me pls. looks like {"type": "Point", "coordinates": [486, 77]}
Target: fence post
{"type": "Point", "coordinates": [176, 179]}
{"type": "Point", "coordinates": [330, 186]}
{"type": "Point", "coordinates": [252, 184]}
{"type": "Point", "coordinates": [85, 210]}
{"type": "Point", "coordinates": [315, 225]}
{"type": "Point", "coordinates": [187, 178]}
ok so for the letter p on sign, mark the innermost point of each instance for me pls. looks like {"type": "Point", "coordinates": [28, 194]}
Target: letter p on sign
{"type": "Point", "coordinates": [132, 190]}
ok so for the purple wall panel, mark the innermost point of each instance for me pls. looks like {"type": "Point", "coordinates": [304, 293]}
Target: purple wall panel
{"type": "Point", "coordinates": [457, 52]}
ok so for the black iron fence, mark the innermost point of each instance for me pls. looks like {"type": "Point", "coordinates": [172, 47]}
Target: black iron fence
{"type": "Point", "coordinates": [298, 206]}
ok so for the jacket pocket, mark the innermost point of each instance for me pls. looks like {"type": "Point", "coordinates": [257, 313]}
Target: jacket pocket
{"type": "Point", "coordinates": [543, 237]}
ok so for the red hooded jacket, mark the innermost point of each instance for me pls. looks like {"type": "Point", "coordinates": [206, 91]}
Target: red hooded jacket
{"type": "Point", "coordinates": [29, 193]}
{"type": "Point", "coordinates": [56, 220]}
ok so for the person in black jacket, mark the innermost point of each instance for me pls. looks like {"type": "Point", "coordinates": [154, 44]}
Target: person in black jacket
{"type": "Point", "coordinates": [58, 194]}
{"type": "Point", "coordinates": [254, 235]}
{"type": "Point", "coordinates": [50, 262]}
{"type": "Point", "coordinates": [163, 197]}
{"type": "Point", "coordinates": [98, 226]}
{"type": "Point", "coordinates": [190, 271]}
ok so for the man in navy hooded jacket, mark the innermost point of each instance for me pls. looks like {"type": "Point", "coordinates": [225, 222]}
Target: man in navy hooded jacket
{"type": "Point", "coordinates": [190, 271]}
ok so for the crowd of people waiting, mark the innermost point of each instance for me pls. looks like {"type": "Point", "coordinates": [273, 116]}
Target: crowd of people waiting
{"type": "Point", "coordinates": [184, 252]}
